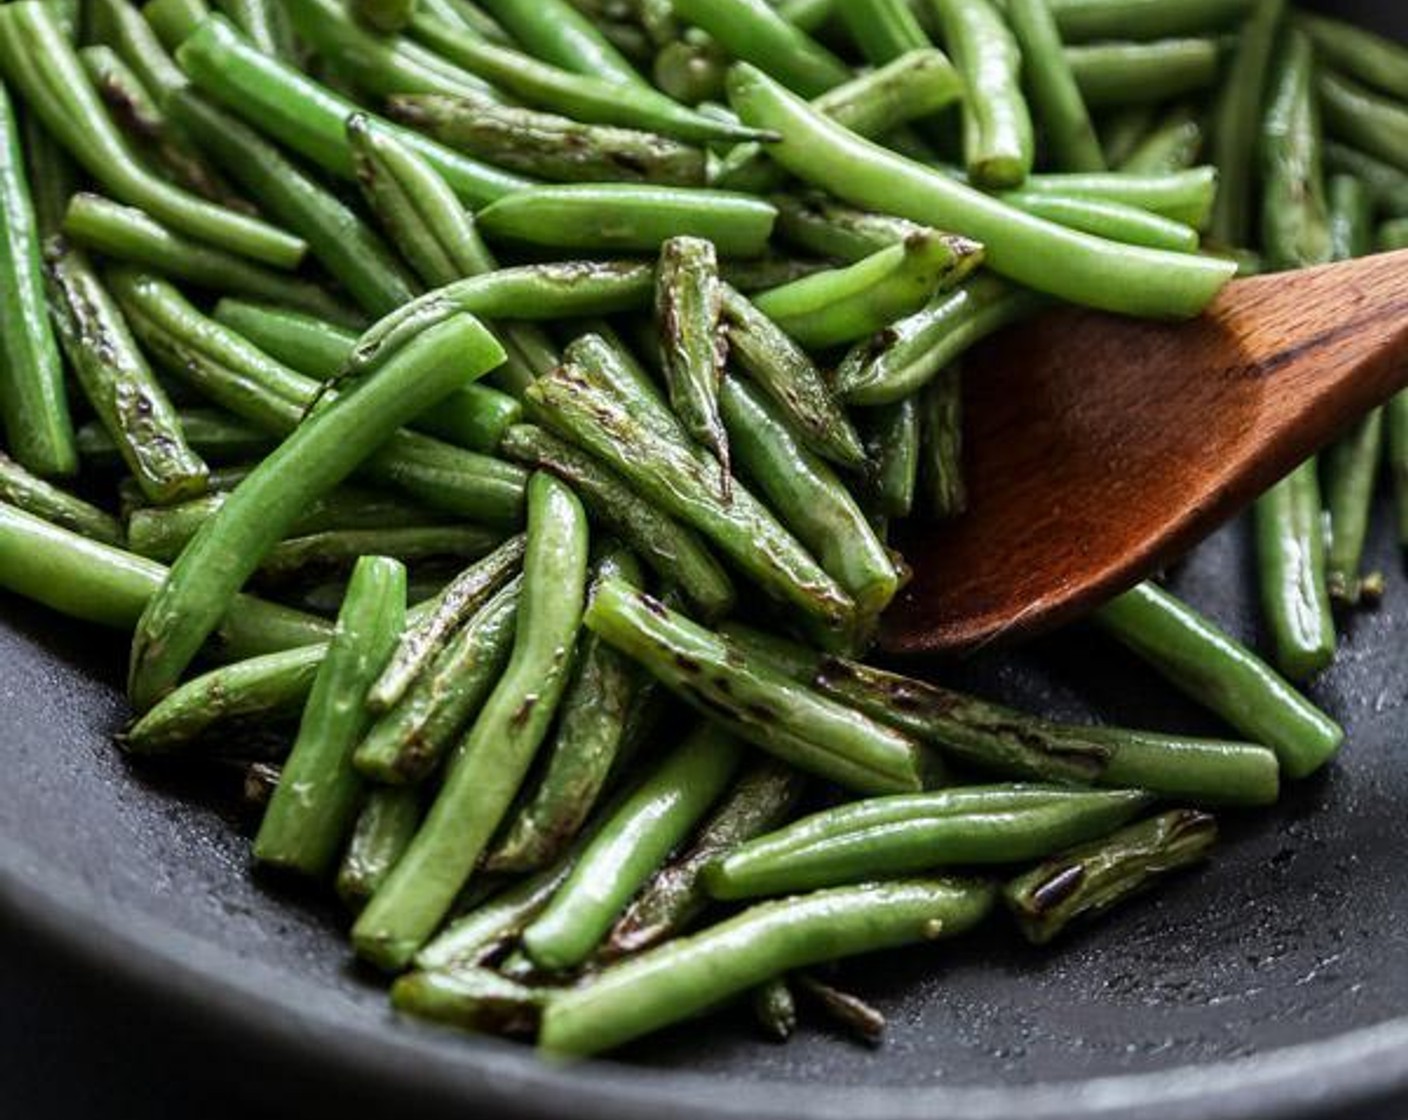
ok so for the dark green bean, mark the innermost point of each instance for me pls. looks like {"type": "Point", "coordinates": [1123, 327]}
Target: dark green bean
{"type": "Point", "coordinates": [121, 26]}
{"type": "Point", "coordinates": [127, 234]}
{"type": "Point", "coordinates": [775, 1008]}
{"type": "Point", "coordinates": [315, 803]}
{"type": "Point", "coordinates": [841, 306]}
{"type": "Point", "coordinates": [1236, 122]}
{"type": "Point", "coordinates": [384, 830]}
{"type": "Point", "coordinates": [33, 405]}
{"type": "Point", "coordinates": [693, 342]}
{"type": "Point", "coordinates": [904, 357]}
{"type": "Point", "coordinates": [1220, 673]}
{"type": "Point", "coordinates": [590, 99]}
{"type": "Point", "coordinates": [33, 495]}
{"type": "Point", "coordinates": [674, 552]}
{"type": "Point", "coordinates": [1174, 145]}
{"type": "Point", "coordinates": [883, 29]}
{"type": "Point", "coordinates": [591, 732]}
{"type": "Point", "coordinates": [1116, 73]}
{"type": "Point", "coordinates": [680, 979]}
{"type": "Point", "coordinates": [821, 225]}
{"type": "Point", "coordinates": [1295, 226]}
{"type": "Point", "coordinates": [217, 437]}
{"type": "Point", "coordinates": [42, 64]}
{"type": "Point", "coordinates": [691, 69]}
{"type": "Point", "coordinates": [1097, 876]}
{"type": "Point", "coordinates": [941, 471]}
{"type": "Point", "coordinates": [889, 837]}
{"type": "Point", "coordinates": [761, 800]}
{"type": "Point", "coordinates": [1058, 99]}
{"type": "Point", "coordinates": [1064, 263]}
{"type": "Point", "coordinates": [473, 999]}
{"type": "Point", "coordinates": [1362, 118]}
{"type": "Point", "coordinates": [493, 759]}
{"type": "Point", "coordinates": [321, 452]}
{"type": "Point", "coordinates": [751, 30]}
{"type": "Point", "coordinates": [1392, 235]}
{"type": "Point", "coordinates": [760, 706]}
{"type": "Point", "coordinates": [1360, 53]}
{"type": "Point", "coordinates": [412, 737]}
{"type": "Point", "coordinates": [267, 24]}
{"type": "Point", "coordinates": [131, 404]}
{"type": "Point", "coordinates": [1082, 20]}
{"type": "Point", "coordinates": [386, 16]}
{"type": "Point", "coordinates": [1397, 423]}
{"type": "Point", "coordinates": [307, 117]}
{"type": "Point", "coordinates": [630, 847]}
{"type": "Point", "coordinates": [893, 446]}
{"type": "Point", "coordinates": [97, 583]}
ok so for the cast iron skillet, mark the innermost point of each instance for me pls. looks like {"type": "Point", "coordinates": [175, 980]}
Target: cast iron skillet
{"type": "Point", "coordinates": [1267, 985]}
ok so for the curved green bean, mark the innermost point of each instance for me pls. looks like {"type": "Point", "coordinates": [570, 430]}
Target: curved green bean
{"type": "Point", "coordinates": [556, 32]}
{"type": "Point", "coordinates": [752, 30]}
{"type": "Point", "coordinates": [33, 495]}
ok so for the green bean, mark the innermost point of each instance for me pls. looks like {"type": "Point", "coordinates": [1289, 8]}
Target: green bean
{"type": "Point", "coordinates": [267, 24]}
{"type": "Point", "coordinates": [1172, 146]}
{"type": "Point", "coordinates": [821, 225]}
{"type": "Point", "coordinates": [319, 454]}
{"type": "Point", "coordinates": [839, 307]}
{"type": "Point", "coordinates": [590, 99]}
{"type": "Point", "coordinates": [33, 405]}
{"type": "Point", "coordinates": [893, 447]}
{"type": "Point", "coordinates": [131, 404]}
{"type": "Point", "coordinates": [464, 597]}
{"type": "Point", "coordinates": [468, 15]}
{"type": "Point", "coordinates": [175, 20]}
{"type": "Point", "coordinates": [1290, 537]}
{"type": "Point", "coordinates": [680, 979]}
{"type": "Point", "coordinates": [775, 1008]}
{"type": "Point", "coordinates": [410, 739]}
{"type": "Point", "coordinates": [591, 732]}
{"type": "Point", "coordinates": [655, 457]}
{"type": "Point", "coordinates": [941, 445]}
{"type": "Point", "coordinates": [693, 343]}
{"type": "Point", "coordinates": [918, 84]}
{"type": "Point", "coordinates": [346, 245]}
{"type": "Point", "coordinates": [691, 69]}
{"type": "Point", "coordinates": [1360, 53]}
{"type": "Point", "coordinates": [1058, 99]}
{"type": "Point", "coordinates": [238, 376]}
{"type": "Point", "coordinates": [556, 32]}
{"type": "Point", "coordinates": [1115, 73]}
{"type": "Point", "coordinates": [1295, 226]}
{"type": "Point", "coordinates": [97, 583]}
{"type": "Point", "coordinates": [257, 691]}
{"type": "Point", "coordinates": [1220, 673]}
{"type": "Point", "coordinates": [127, 234]}
{"type": "Point", "coordinates": [625, 217]}
{"type": "Point", "coordinates": [1396, 421]}
{"type": "Point", "coordinates": [137, 113]}
{"type": "Point", "coordinates": [217, 437]}
{"type": "Point", "coordinates": [384, 831]}
{"type": "Point", "coordinates": [121, 26]}
{"type": "Point", "coordinates": [814, 503]}
{"type": "Point", "coordinates": [315, 803]}
{"type": "Point", "coordinates": [567, 289]}
{"type": "Point", "coordinates": [792, 380]}
{"type": "Point", "coordinates": [1082, 20]}
{"type": "Point", "coordinates": [330, 551]}
{"type": "Point", "coordinates": [386, 16]}
{"type": "Point", "coordinates": [549, 146]}
{"type": "Point", "coordinates": [1181, 196]}
{"type": "Point", "coordinates": [1122, 130]}
{"type": "Point", "coordinates": [900, 360]}
{"type": "Point", "coordinates": [473, 999]}
{"type": "Point", "coordinates": [768, 271]}
{"type": "Point", "coordinates": [23, 490]}
{"type": "Point", "coordinates": [631, 846]}
{"type": "Point", "coordinates": [998, 144]}
{"type": "Point", "coordinates": [1091, 879]}
{"type": "Point", "coordinates": [1351, 469]}
{"type": "Point", "coordinates": [673, 551]}
{"type": "Point", "coordinates": [1113, 220]}
{"type": "Point", "coordinates": [889, 837]}
{"type": "Point", "coordinates": [810, 16]}
{"type": "Point", "coordinates": [1236, 122]}
{"type": "Point", "coordinates": [751, 30]}
{"type": "Point", "coordinates": [1392, 235]}
{"type": "Point", "coordinates": [307, 117]}
{"type": "Point", "coordinates": [1360, 117]}
{"type": "Point", "coordinates": [42, 64]}
{"type": "Point", "coordinates": [50, 174]}
{"type": "Point", "coordinates": [999, 740]}
{"type": "Point", "coordinates": [761, 799]}
{"type": "Point", "coordinates": [761, 707]}
{"type": "Point", "coordinates": [1064, 263]}
{"type": "Point", "coordinates": [883, 29]}
{"type": "Point", "coordinates": [475, 937]}
{"type": "Point", "coordinates": [494, 757]}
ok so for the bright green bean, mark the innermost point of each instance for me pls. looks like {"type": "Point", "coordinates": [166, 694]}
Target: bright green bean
{"type": "Point", "coordinates": [753, 31]}
{"type": "Point", "coordinates": [1113, 220]}
{"type": "Point", "coordinates": [556, 32]}
{"type": "Point", "coordinates": [1057, 96]}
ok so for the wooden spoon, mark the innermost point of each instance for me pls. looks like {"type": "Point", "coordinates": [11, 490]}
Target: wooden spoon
{"type": "Point", "coordinates": [1102, 448]}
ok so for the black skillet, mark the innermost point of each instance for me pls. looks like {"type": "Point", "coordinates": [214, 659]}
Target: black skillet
{"type": "Point", "coordinates": [139, 952]}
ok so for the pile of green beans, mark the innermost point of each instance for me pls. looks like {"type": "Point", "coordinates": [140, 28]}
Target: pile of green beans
{"type": "Point", "coordinates": [554, 371]}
